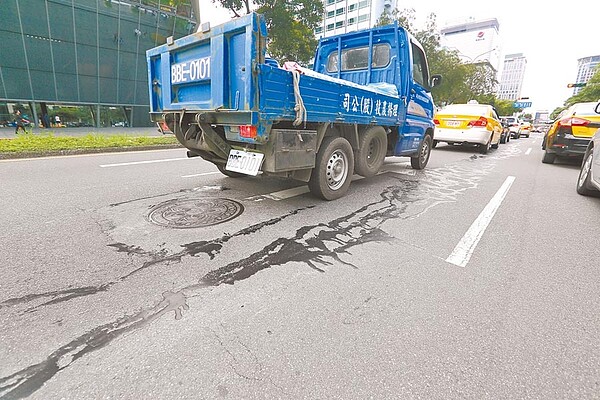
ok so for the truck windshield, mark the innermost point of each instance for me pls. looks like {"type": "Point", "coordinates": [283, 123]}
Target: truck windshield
{"type": "Point", "coordinates": [358, 58]}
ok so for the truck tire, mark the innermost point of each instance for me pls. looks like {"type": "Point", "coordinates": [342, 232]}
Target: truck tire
{"type": "Point", "coordinates": [420, 160]}
{"type": "Point", "coordinates": [369, 157]}
{"type": "Point", "coordinates": [331, 177]}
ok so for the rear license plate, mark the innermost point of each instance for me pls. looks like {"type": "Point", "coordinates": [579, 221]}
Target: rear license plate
{"type": "Point", "coordinates": [452, 122]}
{"type": "Point", "coordinates": [190, 71]}
{"type": "Point", "coordinates": [244, 162]}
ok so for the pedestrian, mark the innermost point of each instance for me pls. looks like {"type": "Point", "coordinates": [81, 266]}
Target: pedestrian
{"type": "Point", "coordinates": [19, 122]}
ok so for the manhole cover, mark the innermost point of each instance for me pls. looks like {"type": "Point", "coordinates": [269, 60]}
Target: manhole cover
{"type": "Point", "coordinates": [194, 213]}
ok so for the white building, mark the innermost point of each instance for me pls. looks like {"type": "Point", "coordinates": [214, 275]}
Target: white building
{"type": "Point", "coordinates": [343, 16]}
{"type": "Point", "coordinates": [586, 67]}
{"type": "Point", "coordinates": [475, 41]}
{"type": "Point", "coordinates": [511, 79]}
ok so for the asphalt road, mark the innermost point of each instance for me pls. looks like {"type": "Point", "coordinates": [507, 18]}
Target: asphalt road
{"type": "Point", "coordinates": [476, 278]}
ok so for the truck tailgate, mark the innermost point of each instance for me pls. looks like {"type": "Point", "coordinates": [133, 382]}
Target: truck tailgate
{"type": "Point", "coordinates": [208, 70]}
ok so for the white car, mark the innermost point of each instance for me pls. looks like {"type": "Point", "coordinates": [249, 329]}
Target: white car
{"type": "Point", "coordinates": [588, 183]}
{"type": "Point", "coordinates": [514, 126]}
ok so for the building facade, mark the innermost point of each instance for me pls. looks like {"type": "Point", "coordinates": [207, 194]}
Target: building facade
{"type": "Point", "coordinates": [586, 67]}
{"type": "Point", "coordinates": [511, 78]}
{"type": "Point", "coordinates": [474, 41]}
{"type": "Point", "coordinates": [343, 16]}
{"type": "Point", "coordinates": [84, 53]}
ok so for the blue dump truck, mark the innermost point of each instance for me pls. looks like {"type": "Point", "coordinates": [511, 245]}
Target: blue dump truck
{"type": "Point", "coordinates": [367, 97]}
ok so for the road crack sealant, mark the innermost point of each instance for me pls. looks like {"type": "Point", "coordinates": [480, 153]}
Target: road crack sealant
{"type": "Point", "coordinates": [318, 246]}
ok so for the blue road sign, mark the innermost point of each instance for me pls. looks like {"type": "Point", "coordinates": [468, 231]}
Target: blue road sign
{"type": "Point", "coordinates": [522, 104]}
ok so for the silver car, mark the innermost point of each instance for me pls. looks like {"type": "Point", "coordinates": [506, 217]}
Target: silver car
{"type": "Point", "coordinates": [588, 183]}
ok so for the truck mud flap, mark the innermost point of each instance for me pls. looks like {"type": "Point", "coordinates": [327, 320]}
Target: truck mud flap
{"type": "Point", "coordinates": [203, 139]}
{"type": "Point", "coordinates": [292, 150]}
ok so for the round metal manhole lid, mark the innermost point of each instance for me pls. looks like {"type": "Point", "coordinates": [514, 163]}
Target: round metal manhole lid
{"type": "Point", "coordinates": [194, 213]}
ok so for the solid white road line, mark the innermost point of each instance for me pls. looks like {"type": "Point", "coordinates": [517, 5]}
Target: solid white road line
{"type": "Point", "coordinates": [464, 249]}
{"type": "Point", "coordinates": [143, 162]}
{"type": "Point", "coordinates": [286, 194]}
{"type": "Point", "coordinates": [202, 174]}
{"type": "Point", "coordinates": [528, 151]}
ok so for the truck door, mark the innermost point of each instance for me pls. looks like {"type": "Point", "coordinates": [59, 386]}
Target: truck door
{"type": "Point", "coordinates": [419, 111]}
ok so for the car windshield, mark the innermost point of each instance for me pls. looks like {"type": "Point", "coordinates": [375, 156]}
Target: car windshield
{"type": "Point", "coordinates": [584, 109]}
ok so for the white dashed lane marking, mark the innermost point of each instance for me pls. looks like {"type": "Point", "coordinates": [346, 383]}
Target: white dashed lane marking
{"type": "Point", "coordinates": [464, 249]}
{"type": "Point", "coordinates": [142, 162]}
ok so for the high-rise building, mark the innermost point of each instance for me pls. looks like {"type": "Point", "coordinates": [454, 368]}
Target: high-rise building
{"type": "Point", "coordinates": [474, 41]}
{"type": "Point", "coordinates": [89, 53]}
{"type": "Point", "coordinates": [586, 67]}
{"type": "Point", "coordinates": [343, 16]}
{"type": "Point", "coordinates": [511, 78]}
{"type": "Point", "coordinates": [541, 116]}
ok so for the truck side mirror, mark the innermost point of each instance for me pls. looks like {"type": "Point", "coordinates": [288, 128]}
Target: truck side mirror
{"type": "Point", "coordinates": [435, 80]}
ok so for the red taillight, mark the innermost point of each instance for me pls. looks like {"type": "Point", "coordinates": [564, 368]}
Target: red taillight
{"type": "Point", "coordinates": [482, 121]}
{"type": "Point", "coordinates": [573, 121]}
{"type": "Point", "coordinates": [248, 131]}
{"type": "Point", "coordinates": [436, 121]}
{"type": "Point", "coordinates": [163, 127]}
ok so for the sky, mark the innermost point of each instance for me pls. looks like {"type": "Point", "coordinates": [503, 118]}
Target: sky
{"type": "Point", "coordinates": [551, 38]}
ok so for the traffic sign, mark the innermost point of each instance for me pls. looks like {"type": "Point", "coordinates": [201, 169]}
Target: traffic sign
{"type": "Point", "coordinates": [522, 104]}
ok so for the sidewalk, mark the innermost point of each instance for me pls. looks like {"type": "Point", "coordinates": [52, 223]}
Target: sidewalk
{"type": "Point", "coordinates": [9, 132]}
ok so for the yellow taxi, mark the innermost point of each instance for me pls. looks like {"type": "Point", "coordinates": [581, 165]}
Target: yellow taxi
{"type": "Point", "coordinates": [470, 123]}
{"type": "Point", "coordinates": [571, 133]}
{"type": "Point", "coordinates": [526, 128]}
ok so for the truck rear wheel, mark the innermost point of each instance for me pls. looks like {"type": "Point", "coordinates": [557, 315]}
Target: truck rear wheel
{"type": "Point", "coordinates": [331, 177]}
{"type": "Point", "coordinates": [371, 153]}
{"type": "Point", "coordinates": [420, 160]}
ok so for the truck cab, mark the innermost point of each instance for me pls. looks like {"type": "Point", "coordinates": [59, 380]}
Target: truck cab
{"type": "Point", "coordinates": [390, 59]}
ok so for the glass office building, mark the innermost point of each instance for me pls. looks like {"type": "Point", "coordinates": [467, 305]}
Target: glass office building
{"type": "Point", "coordinates": [85, 53]}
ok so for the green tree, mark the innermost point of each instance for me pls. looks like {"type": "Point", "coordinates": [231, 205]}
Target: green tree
{"type": "Point", "coordinates": [590, 92]}
{"type": "Point", "coordinates": [505, 107]}
{"type": "Point", "coordinates": [554, 114]}
{"type": "Point", "coordinates": [290, 24]}
{"type": "Point", "coordinates": [389, 18]}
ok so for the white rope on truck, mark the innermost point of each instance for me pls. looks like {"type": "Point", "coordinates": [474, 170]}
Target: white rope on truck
{"type": "Point", "coordinates": [300, 109]}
